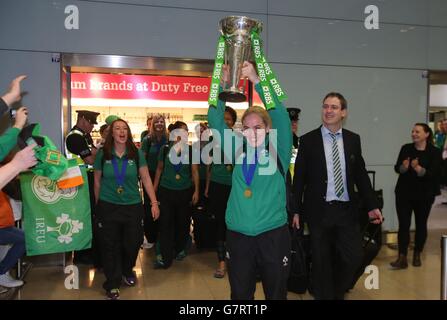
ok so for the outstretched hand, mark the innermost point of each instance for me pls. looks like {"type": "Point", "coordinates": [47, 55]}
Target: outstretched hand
{"type": "Point", "coordinates": [13, 93]}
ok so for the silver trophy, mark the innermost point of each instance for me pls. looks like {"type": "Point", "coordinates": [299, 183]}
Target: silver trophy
{"type": "Point", "coordinates": [237, 31]}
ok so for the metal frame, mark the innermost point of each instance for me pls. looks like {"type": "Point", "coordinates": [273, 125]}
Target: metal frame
{"type": "Point", "coordinates": [133, 64]}
{"type": "Point", "coordinates": [75, 62]}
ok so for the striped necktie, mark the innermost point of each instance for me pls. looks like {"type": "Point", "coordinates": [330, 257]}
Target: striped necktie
{"type": "Point", "coordinates": [338, 177]}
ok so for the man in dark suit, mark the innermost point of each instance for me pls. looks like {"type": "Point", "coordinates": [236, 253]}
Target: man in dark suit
{"type": "Point", "coordinates": [328, 168]}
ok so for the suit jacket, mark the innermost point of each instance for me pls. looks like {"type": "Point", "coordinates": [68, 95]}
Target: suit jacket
{"type": "Point", "coordinates": [310, 178]}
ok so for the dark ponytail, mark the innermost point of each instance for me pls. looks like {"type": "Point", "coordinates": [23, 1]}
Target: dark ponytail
{"type": "Point", "coordinates": [428, 130]}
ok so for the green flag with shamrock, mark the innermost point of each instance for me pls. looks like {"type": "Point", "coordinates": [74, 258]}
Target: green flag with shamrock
{"type": "Point", "coordinates": [55, 220]}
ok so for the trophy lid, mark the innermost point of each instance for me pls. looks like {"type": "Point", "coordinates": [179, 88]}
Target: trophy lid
{"type": "Point", "coordinates": [235, 24]}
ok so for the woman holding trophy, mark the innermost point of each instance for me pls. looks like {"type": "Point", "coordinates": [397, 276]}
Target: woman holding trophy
{"type": "Point", "coordinates": [258, 240]}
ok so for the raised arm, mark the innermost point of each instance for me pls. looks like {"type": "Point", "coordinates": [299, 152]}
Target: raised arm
{"type": "Point", "coordinates": [23, 160]}
{"type": "Point", "coordinates": [13, 94]}
{"type": "Point", "coordinates": [218, 126]}
{"type": "Point", "coordinates": [8, 140]}
{"type": "Point", "coordinates": [279, 115]}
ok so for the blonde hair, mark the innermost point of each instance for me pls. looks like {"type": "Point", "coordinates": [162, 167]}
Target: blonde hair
{"type": "Point", "coordinates": [155, 118]}
{"type": "Point", "coordinates": [261, 112]}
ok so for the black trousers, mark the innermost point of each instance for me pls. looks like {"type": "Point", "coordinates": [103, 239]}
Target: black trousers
{"type": "Point", "coordinates": [267, 254]}
{"type": "Point", "coordinates": [444, 172]}
{"type": "Point", "coordinates": [336, 251]}
{"type": "Point", "coordinates": [121, 235]}
{"type": "Point", "coordinates": [175, 221]}
{"type": "Point", "coordinates": [218, 195]}
{"type": "Point", "coordinates": [150, 225]}
{"type": "Point", "coordinates": [203, 202]}
{"type": "Point", "coordinates": [421, 208]}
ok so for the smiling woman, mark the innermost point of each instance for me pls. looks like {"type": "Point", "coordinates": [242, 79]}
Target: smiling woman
{"type": "Point", "coordinates": [118, 167]}
{"type": "Point", "coordinates": [418, 166]}
{"type": "Point", "coordinates": [256, 124]}
{"type": "Point", "coordinates": [256, 214]}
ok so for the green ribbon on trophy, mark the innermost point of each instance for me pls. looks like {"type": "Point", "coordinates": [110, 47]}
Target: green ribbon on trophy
{"type": "Point", "coordinates": [269, 82]}
{"type": "Point", "coordinates": [217, 72]}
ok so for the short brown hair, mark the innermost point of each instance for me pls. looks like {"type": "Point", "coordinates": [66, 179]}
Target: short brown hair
{"type": "Point", "coordinates": [339, 96]}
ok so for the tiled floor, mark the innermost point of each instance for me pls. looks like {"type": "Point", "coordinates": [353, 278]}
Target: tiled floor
{"type": "Point", "coordinates": [193, 278]}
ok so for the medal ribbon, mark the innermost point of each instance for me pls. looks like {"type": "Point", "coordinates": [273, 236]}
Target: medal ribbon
{"type": "Point", "coordinates": [249, 170]}
{"type": "Point", "coordinates": [160, 144]}
{"type": "Point", "coordinates": [119, 176]}
{"type": "Point", "coordinates": [178, 166]}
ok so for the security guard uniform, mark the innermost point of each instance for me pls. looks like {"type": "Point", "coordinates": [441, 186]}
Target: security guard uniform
{"type": "Point", "coordinates": [79, 145]}
{"type": "Point", "coordinates": [294, 115]}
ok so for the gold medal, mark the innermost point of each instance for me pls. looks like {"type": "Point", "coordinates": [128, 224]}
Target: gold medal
{"type": "Point", "coordinates": [120, 190]}
{"type": "Point", "coordinates": [177, 176]}
{"type": "Point", "coordinates": [229, 167]}
{"type": "Point", "coordinates": [247, 193]}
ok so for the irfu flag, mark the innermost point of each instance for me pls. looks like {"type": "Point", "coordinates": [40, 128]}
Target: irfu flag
{"type": "Point", "coordinates": [55, 220]}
